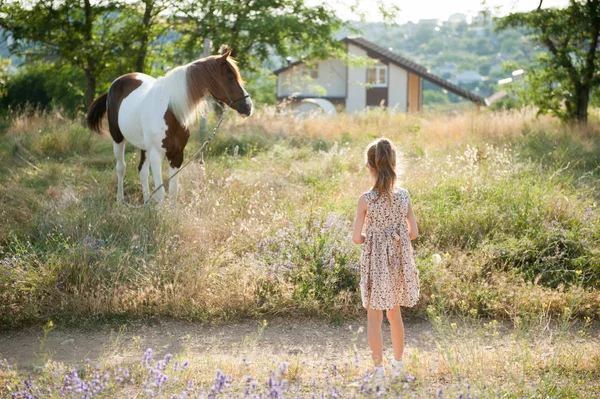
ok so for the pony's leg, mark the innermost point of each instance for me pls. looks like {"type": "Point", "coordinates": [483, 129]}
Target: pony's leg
{"type": "Point", "coordinates": [156, 165]}
{"type": "Point", "coordinates": [144, 169]}
{"type": "Point", "coordinates": [173, 185]}
{"type": "Point", "coordinates": [119, 150]}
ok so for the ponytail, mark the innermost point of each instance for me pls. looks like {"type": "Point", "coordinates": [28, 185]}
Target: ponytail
{"type": "Point", "coordinates": [381, 156]}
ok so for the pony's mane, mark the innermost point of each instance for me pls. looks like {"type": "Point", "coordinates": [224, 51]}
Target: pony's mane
{"type": "Point", "coordinates": [236, 70]}
{"type": "Point", "coordinates": [187, 86]}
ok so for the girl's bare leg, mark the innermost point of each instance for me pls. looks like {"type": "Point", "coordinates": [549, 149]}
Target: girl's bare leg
{"type": "Point", "coordinates": [397, 330]}
{"type": "Point", "coordinates": [375, 318]}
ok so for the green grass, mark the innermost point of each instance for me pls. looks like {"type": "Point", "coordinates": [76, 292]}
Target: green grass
{"type": "Point", "coordinates": [506, 205]}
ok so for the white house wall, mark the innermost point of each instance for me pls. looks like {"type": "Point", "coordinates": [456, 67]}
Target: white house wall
{"type": "Point", "coordinates": [331, 81]}
{"type": "Point", "coordinates": [356, 99]}
{"type": "Point", "coordinates": [398, 88]}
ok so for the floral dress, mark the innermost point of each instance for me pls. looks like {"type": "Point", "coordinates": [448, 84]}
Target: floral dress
{"type": "Point", "coordinates": [388, 274]}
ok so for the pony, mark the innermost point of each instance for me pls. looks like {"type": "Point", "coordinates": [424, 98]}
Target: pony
{"type": "Point", "coordinates": [154, 114]}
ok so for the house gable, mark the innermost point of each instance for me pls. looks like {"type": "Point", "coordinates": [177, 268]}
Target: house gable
{"type": "Point", "coordinates": [413, 67]}
{"type": "Point", "coordinates": [341, 83]}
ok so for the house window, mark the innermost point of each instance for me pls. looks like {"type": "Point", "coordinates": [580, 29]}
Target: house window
{"type": "Point", "coordinates": [313, 73]}
{"type": "Point", "coordinates": [377, 76]}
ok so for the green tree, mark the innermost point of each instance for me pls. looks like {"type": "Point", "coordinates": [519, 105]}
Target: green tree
{"type": "Point", "coordinates": [147, 22]}
{"type": "Point", "coordinates": [253, 29]}
{"type": "Point", "coordinates": [78, 32]}
{"type": "Point", "coordinates": [562, 81]}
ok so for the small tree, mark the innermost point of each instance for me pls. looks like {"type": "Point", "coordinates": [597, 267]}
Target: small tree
{"type": "Point", "coordinates": [565, 76]}
{"type": "Point", "coordinates": [74, 31]}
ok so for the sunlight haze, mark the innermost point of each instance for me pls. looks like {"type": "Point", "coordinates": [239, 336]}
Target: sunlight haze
{"type": "Point", "coordinates": [440, 9]}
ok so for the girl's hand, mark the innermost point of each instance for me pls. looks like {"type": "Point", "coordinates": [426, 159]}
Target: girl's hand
{"type": "Point", "coordinates": [359, 220]}
{"type": "Point", "coordinates": [413, 230]}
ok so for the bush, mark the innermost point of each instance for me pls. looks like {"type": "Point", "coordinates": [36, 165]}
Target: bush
{"type": "Point", "coordinates": [43, 86]}
{"type": "Point", "coordinates": [317, 256]}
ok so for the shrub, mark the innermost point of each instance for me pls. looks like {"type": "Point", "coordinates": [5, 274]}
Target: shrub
{"type": "Point", "coordinates": [317, 256]}
{"type": "Point", "coordinates": [43, 86]}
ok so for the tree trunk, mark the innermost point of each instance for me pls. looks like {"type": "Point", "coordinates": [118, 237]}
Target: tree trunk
{"type": "Point", "coordinates": [583, 99]}
{"type": "Point", "coordinates": [91, 89]}
{"type": "Point", "coordinates": [140, 62]}
{"type": "Point", "coordinates": [90, 67]}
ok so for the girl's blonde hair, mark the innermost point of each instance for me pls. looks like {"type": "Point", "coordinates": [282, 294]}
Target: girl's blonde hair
{"type": "Point", "coordinates": [381, 156]}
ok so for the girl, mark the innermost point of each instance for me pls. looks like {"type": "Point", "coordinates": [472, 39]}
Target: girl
{"type": "Point", "coordinates": [388, 275]}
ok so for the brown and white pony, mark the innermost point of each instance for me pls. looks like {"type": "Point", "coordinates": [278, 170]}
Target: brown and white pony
{"type": "Point", "coordinates": [154, 114]}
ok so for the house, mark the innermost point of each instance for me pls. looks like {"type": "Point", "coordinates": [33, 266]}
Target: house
{"type": "Point", "coordinates": [468, 77]}
{"type": "Point", "coordinates": [393, 81]}
{"type": "Point", "coordinates": [447, 68]}
{"type": "Point", "coordinates": [457, 18]}
{"type": "Point", "coordinates": [430, 21]}
{"type": "Point", "coordinates": [482, 18]}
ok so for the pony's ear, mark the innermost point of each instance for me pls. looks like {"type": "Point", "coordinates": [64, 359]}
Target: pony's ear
{"type": "Point", "coordinates": [225, 52]}
{"type": "Point", "coordinates": [224, 56]}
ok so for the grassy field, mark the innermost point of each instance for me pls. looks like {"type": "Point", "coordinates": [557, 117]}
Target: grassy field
{"type": "Point", "coordinates": [507, 205]}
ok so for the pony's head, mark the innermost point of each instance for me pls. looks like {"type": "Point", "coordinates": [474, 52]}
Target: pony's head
{"type": "Point", "coordinates": [220, 76]}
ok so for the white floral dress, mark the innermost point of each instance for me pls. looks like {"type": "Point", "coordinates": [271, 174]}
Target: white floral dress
{"type": "Point", "coordinates": [388, 274]}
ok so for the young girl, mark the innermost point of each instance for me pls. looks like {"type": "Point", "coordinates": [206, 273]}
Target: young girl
{"type": "Point", "coordinates": [388, 275]}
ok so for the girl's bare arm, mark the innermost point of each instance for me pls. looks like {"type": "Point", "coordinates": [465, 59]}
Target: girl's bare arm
{"type": "Point", "coordinates": [361, 210]}
{"type": "Point", "coordinates": [413, 230]}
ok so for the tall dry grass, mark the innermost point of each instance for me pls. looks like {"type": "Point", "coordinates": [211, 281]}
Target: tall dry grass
{"type": "Point", "coordinates": [505, 202]}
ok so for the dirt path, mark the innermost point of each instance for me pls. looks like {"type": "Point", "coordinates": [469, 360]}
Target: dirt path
{"type": "Point", "coordinates": [316, 344]}
{"type": "Point", "coordinates": [317, 340]}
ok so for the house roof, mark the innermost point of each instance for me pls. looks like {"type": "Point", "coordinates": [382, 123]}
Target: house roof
{"type": "Point", "coordinates": [376, 51]}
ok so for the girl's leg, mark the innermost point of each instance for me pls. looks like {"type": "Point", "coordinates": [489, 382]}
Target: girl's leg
{"type": "Point", "coordinates": [397, 329]}
{"type": "Point", "coordinates": [375, 318]}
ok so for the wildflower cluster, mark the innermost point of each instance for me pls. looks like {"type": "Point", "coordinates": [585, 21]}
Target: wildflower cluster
{"type": "Point", "coordinates": [316, 255]}
{"type": "Point", "coordinates": [169, 378]}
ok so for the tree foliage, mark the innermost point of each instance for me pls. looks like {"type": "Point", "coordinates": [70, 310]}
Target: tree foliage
{"type": "Point", "coordinates": [77, 32]}
{"type": "Point", "coordinates": [255, 29]}
{"type": "Point", "coordinates": [43, 85]}
{"type": "Point", "coordinates": [106, 38]}
{"type": "Point", "coordinates": [565, 76]}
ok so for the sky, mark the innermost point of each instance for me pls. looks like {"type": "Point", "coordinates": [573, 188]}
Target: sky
{"type": "Point", "coordinates": [413, 10]}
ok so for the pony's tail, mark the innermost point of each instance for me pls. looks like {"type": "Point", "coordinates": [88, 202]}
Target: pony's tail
{"type": "Point", "coordinates": [96, 112]}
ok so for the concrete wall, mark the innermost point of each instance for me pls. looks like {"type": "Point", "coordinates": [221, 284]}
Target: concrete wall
{"type": "Point", "coordinates": [331, 81]}
{"type": "Point", "coordinates": [356, 97]}
{"type": "Point", "coordinates": [397, 88]}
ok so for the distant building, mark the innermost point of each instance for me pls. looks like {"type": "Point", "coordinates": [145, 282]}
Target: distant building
{"type": "Point", "coordinates": [393, 81]}
{"type": "Point", "coordinates": [482, 18]}
{"type": "Point", "coordinates": [515, 76]}
{"type": "Point", "coordinates": [495, 68]}
{"type": "Point", "coordinates": [430, 21]}
{"type": "Point", "coordinates": [480, 31]}
{"type": "Point", "coordinates": [410, 28]}
{"type": "Point", "coordinates": [467, 77]}
{"type": "Point", "coordinates": [448, 68]}
{"type": "Point", "coordinates": [457, 18]}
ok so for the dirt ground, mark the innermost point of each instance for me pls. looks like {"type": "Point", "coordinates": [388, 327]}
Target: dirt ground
{"type": "Point", "coordinates": [317, 340]}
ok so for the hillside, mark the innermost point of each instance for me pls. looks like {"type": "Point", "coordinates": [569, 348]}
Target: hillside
{"type": "Point", "coordinates": [472, 55]}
